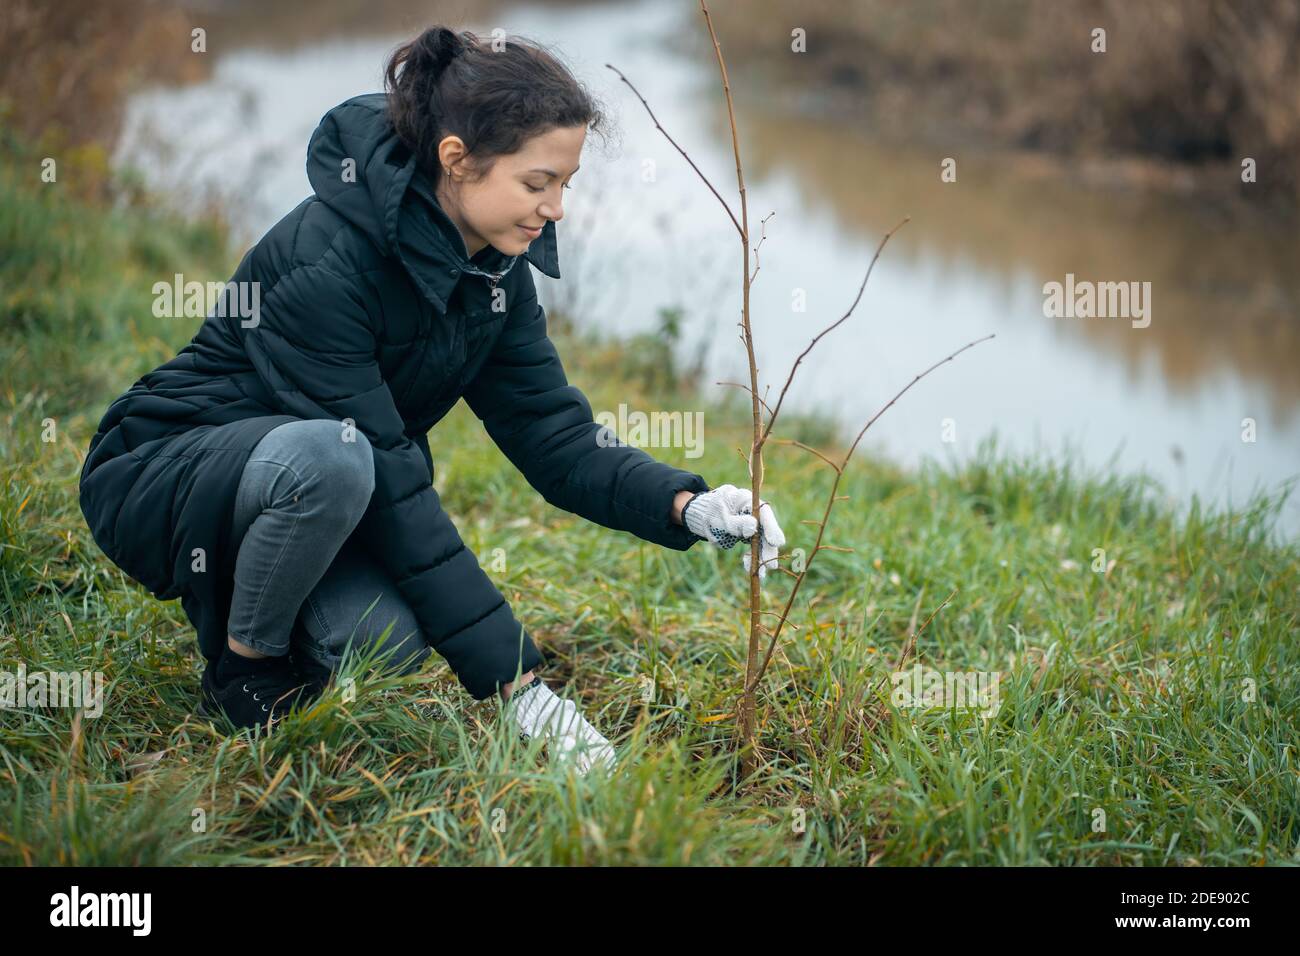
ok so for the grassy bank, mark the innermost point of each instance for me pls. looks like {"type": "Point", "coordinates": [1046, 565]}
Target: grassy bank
{"type": "Point", "coordinates": [1126, 691]}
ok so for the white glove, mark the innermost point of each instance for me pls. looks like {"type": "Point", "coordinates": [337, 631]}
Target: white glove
{"type": "Point", "coordinates": [725, 515]}
{"type": "Point", "coordinates": [539, 713]}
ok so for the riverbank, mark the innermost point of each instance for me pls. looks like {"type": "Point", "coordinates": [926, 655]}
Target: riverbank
{"type": "Point", "coordinates": [1170, 97]}
{"type": "Point", "coordinates": [1159, 689]}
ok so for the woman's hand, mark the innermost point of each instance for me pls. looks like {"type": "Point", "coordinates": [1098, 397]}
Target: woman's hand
{"type": "Point", "coordinates": [725, 516]}
{"type": "Point", "coordinates": [540, 713]}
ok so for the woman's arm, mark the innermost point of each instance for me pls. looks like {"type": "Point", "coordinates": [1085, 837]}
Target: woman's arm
{"type": "Point", "coordinates": [546, 428]}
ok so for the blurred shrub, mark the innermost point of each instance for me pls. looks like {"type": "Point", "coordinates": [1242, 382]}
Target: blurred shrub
{"type": "Point", "coordinates": [66, 65]}
{"type": "Point", "coordinates": [1186, 80]}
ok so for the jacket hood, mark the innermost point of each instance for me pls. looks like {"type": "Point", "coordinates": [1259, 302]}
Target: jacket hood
{"type": "Point", "coordinates": [360, 168]}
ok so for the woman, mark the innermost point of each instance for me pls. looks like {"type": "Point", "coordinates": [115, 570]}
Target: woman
{"type": "Point", "coordinates": [276, 474]}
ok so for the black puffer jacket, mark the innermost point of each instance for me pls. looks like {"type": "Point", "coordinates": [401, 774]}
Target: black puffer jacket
{"type": "Point", "coordinates": [366, 313]}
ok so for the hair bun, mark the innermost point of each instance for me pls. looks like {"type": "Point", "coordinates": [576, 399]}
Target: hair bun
{"type": "Point", "coordinates": [493, 104]}
{"type": "Point", "coordinates": [436, 47]}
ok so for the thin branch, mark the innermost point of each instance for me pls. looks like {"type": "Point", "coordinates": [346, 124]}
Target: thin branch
{"type": "Point", "coordinates": [679, 149]}
{"type": "Point", "coordinates": [774, 614]}
{"type": "Point", "coordinates": [904, 389]}
{"type": "Point", "coordinates": [762, 236]}
{"type": "Point", "coordinates": [746, 388]}
{"type": "Point", "coordinates": [753, 683]}
{"type": "Point", "coordinates": [791, 441]}
{"type": "Point", "coordinates": [802, 355]}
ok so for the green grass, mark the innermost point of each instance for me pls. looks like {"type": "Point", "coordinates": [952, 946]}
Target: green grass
{"type": "Point", "coordinates": [1122, 691]}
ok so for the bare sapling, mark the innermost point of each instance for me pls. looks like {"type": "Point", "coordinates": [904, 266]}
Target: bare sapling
{"type": "Point", "coordinates": [758, 656]}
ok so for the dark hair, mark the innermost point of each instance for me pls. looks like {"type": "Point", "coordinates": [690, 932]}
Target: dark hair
{"type": "Point", "coordinates": [445, 83]}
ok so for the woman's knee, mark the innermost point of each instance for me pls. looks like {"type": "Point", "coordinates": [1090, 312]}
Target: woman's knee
{"type": "Point", "coordinates": [340, 459]}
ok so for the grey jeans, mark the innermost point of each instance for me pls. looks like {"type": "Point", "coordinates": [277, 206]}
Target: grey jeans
{"type": "Point", "coordinates": [301, 580]}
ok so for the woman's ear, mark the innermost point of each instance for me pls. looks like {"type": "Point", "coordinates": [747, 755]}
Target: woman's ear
{"type": "Point", "coordinates": [451, 151]}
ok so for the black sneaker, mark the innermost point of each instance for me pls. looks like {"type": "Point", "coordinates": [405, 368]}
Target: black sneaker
{"type": "Point", "coordinates": [316, 676]}
{"type": "Point", "coordinates": [252, 701]}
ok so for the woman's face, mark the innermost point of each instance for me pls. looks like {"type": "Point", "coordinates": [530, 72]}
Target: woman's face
{"type": "Point", "coordinates": [523, 189]}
